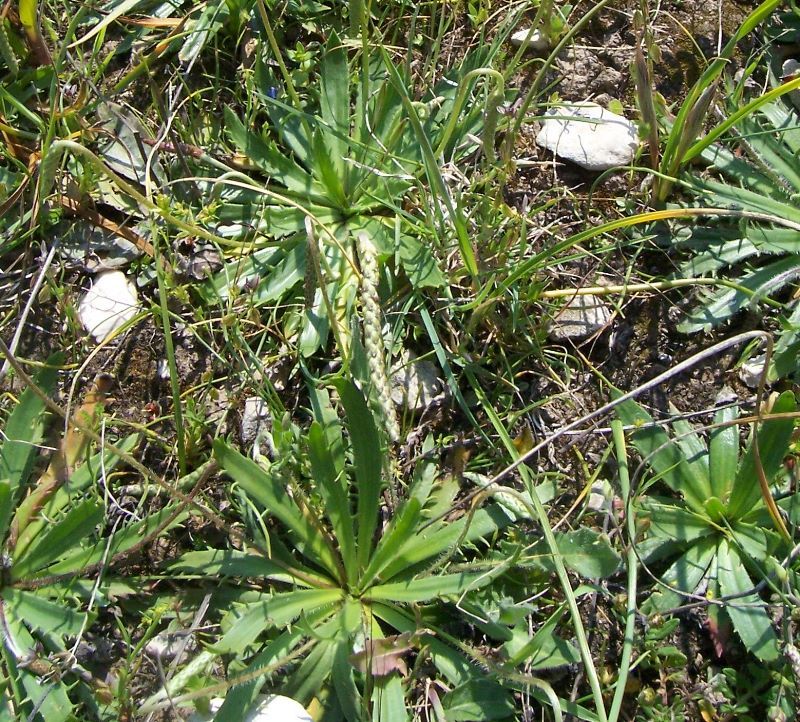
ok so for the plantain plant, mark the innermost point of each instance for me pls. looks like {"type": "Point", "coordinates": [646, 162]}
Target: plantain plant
{"type": "Point", "coordinates": [352, 158]}
{"type": "Point", "coordinates": [722, 528]}
{"type": "Point", "coordinates": [330, 591]}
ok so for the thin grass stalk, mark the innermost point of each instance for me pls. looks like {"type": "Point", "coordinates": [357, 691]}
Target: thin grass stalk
{"type": "Point", "coordinates": [671, 159]}
{"type": "Point", "coordinates": [174, 380]}
{"type": "Point", "coordinates": [643, 80]}
{"type": "Point", "coordinates": [528, 267]}
{"type": "Point", "coordinates": [632, 564]}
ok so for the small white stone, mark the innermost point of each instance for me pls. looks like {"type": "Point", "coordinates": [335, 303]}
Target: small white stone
{"type": "Point", "coordinates": [583, 316]}
{"type": "Point", "coordinates": [537, 42]}
{"type": "Point", "coordinates": [589, 135]}
{"type": "Point", "coordinates": [110, 302]}
{"type": "Point", "coordinates": [167, 645]}
{"type": "Point", "coordinates": [789, 70]}
{"type": "Point", "coordinates": [270, 708]}
{"type": "Point", "coordinates": [750, 371]}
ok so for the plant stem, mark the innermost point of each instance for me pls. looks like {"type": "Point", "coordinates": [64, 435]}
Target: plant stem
{"type": "Point", "coordinates": [631, 561]}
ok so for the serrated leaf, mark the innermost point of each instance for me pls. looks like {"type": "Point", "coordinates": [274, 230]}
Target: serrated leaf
{"type": "Point", "coordinates": [747, 612]}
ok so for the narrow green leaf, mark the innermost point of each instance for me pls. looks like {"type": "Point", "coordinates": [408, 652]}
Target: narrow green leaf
{"type": "Point", "coordinates": [240, 699]}
{"type": "Point", "coordinates": [397, 535]}
{"type": "Point", "coordinates": [723, 448]}
{"type": "Point", "coordinates": [664, 456]}
{"type": "Point", "coordinates": [422, 590]}
{"type": "Point", "coordinates": [270, 492]}
{"type": "Point", "coordinates": [683, 576]}
{"type": "Point", "coordinates": [42, 614]}
{"type": "Point", "coordinates": [228, 563]}
{"type": "Point", "coordinates": [337, 503]}
{"type": "Point", "coordinates": [119, 542]}
{"type": "Point", "coordinates": [23, 433]}
{"type": "Point", "coordinates": [774, 437]}
{"type": "Point", "coordinates": [747, 612]}
{"type": "Point", "coordinates": [56, 540]}
{"type": "Point", "coordinates": [584, 551]}
{"type": "Point", "coordinates": [368, 460]}
{"type": "Point", "coordinates": [347, 694]}
{"type": "Point", "coordinates": [437, 540]}
{"type": "Point", "coordinates": [334, 102]}
{"type": "Point", "coordinates": [275, 611]}
{"type": "Point", "coordinates": [267, 158]}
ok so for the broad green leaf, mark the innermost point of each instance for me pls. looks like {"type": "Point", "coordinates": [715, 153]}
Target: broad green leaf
{"type": "Point", "coordinates": [584, 551]}
{"type": "Point", "coordinates": [747, 612]}
{"type": "Point", "coordinates": [774, 437]}
{"type": "Point", "coordinates": [334, 103]}
{"type": "Point", "coordinates": [389, 700]}
{"type": "Point", "coordinates": [419, 263]}
{"type": "Point", "coordinates": [478, 700]}
{"type": "Point", "coordinates": [59, 538]}
{"type": "Point", "coordinates": [683, 576]}
{"type": "Point", "coordinates": [270, 492]}
{"type": "Point", "coordinates": [663, 455]}
{"type": "Point", "coordinates": [368, 460]}
{"type": "Point", "coordinates": [723, 448]}
{"type": "Point", "coordinates": [276, 611]}
{"type": "Point", "coordinates": [453, 665]}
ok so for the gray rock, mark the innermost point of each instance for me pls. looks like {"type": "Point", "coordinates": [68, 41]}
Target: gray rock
{"type": "Point", "coordinates": [789, 70]}
{"type": "Point", "coordinates": [256, 427]}
{"type": "Point", "coordinates": [416, 383]}
{"type": "Point", "coordinates": [581, 317]}
{"type": "Point", "coordinates": [589, 136]}
{"type": "Point", "coordinates": [168, 645]}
